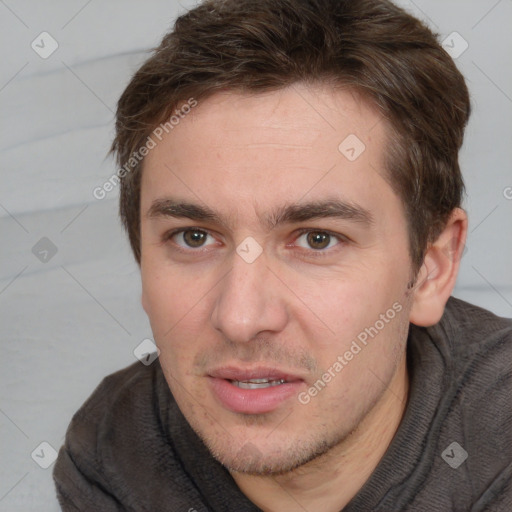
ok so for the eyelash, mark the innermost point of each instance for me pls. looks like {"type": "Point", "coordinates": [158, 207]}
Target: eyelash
{"type": "Point", "coordinates": [168, 236]}
{"type": "Point", "coordinates": [321, 253]}
{"type": "Point", "coordinates": [315, 253]}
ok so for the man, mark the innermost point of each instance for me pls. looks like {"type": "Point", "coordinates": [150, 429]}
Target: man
{"type": "Point", "coordinates": [291, 190]}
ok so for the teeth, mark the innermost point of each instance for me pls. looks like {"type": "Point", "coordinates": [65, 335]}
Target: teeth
{"type": "Point", "coordinates": [257, 383]}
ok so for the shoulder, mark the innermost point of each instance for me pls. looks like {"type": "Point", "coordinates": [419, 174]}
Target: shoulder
{"type": "Point", "coordinates": [476, 347]}
{"type": "Point", "coordinates": [468, 332]}
{"type": "Point", "coordinates": [129, 388]}
{"type": "Point", "coordinates": [462, 317]}
{"type": "Point", "coordinates": [100, 439]}
{"type": "Point", "coordinates": [476, 389]}
{"type": "Point", "coordinates": [472, 344]}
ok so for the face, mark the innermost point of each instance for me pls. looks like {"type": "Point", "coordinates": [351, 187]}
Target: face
{"type": "Point", "coordinates": [274, 268]}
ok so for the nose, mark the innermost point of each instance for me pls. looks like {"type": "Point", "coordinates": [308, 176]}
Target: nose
{"type": "Point", "coordinates": [250, 302]}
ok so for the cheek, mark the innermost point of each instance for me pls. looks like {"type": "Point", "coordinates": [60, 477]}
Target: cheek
{"type": "Point", "coordinates": [165, 296]}
{"type": "Point", "coordinates": [178, 309]}
{"type": "Point", "coordinates": [341, 302]}
{"type": "Point", "coordinates": [157, 293]}
{"type": "Point", "coordinates": [335, 312]}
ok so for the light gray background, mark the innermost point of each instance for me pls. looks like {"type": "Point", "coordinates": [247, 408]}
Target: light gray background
{"type": "Point", "coordinates": [68, 322]}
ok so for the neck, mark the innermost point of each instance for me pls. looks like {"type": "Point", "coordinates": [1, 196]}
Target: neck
{"type": "Point", "coordinates": [329, 482]}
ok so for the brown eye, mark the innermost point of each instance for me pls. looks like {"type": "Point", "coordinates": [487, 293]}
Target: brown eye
{"type": "Point", "coordinates": [194, 238]}
{"type": "Point", "coordinates": [318, 239]}
{"type": "Point", "coordinates": [190, 239]}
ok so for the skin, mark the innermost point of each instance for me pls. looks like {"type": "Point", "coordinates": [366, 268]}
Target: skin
{"type": "Point", "coordinates": [299, 305]}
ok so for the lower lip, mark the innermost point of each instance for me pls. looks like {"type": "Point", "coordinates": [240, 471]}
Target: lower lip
{"type": "Point", "coordinates": [252, 401]}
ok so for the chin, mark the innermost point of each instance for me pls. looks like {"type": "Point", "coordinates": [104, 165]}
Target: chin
{"type": "Point", "coordinates": [265, 460]}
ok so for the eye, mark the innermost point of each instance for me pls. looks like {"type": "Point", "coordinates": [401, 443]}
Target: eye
{"type": "Point", "coordinates": [317, 240]}
{"type": "Point", "coordinates": [192, 238]}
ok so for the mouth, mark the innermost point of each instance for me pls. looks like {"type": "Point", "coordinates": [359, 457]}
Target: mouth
{"type": "Point", "coordinates": [253, 390]}
{"type": "Point", "coordinates": [257, 383]}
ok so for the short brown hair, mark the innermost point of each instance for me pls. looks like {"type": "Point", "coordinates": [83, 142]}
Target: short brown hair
{"type": "Point", "coordinates": [371, 46]}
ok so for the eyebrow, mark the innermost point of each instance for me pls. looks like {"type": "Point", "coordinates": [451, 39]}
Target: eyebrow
{"type": "Point", "coordinates": [171, 208]}
{"type": "Point", "coordinates": [287, 214]}
{"type": "Point", "coordinates": [333, 208]}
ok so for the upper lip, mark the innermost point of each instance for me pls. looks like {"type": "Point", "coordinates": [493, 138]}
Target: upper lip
{"type": "Point", "coordinates": [259, 372]}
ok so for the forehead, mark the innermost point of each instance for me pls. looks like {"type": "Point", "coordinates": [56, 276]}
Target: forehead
{"type": "Point", "coordinates": [300, 114]}
{"type": "Point", "coordinates": [236, 149]}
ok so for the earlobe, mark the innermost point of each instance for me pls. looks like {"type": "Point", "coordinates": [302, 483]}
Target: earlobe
{"type": "Point", "coordinates": [437, 276]}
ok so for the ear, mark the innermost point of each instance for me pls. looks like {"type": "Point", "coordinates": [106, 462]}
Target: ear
{"type": "Point", "coordinates": [437, 276]}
